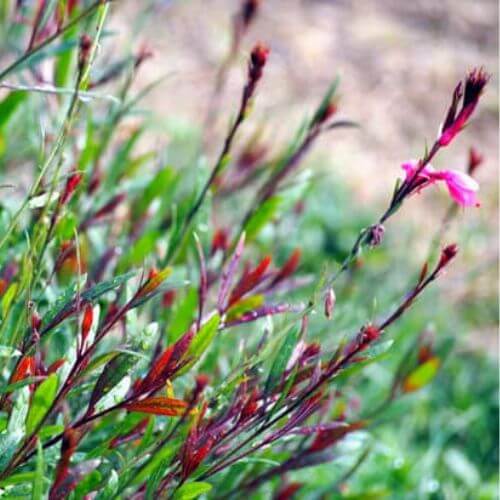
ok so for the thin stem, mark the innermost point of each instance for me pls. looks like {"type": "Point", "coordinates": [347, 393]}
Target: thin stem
{"type": "Point", "coordinates": [245, 99]}
{"type": "Point", "coordinates": [51, 38]}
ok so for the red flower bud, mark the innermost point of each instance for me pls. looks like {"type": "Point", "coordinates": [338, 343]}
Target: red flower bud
{"type": "Point", "coordinates": [220, 241]}
{"type": "Point", "coordinates": [248, 11]}
{"type": "Point", "coordinates": [202, 381]}
{"type": "Point", "coordinates": [258, 59]}
{"type": "Point", "coordinates": [85, 46]}
{"type": "Point", "coordinates": [71, 185]}
{"type": "Point", "coordinates": [447, 254]}
{"type": "Point", "coordinates": [168, 298]}
{"type": "Point", "coordinates": [475, 159]}
{"type": "Point", "coordinates": [36, 322]}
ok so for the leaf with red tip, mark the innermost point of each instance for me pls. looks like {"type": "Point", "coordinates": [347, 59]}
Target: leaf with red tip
{"type": "Point", "coordinates": [249, 280]}
{"type": "Point", "coordinates": [159, 406]}
{"type": "Point", "coordinates": [327, 438]}
{"type": "Point", "coordinates": [288, 268]}
{"type": "Point", "coordinates": [25, 368]}
{"type": "Point", "coordinates": [422, 375]}
{"type": "Point", "coordinates": [157, 368]}
{"type": "Point", "coordinates": [154, 281]}
{"type": "Point", "coordinates": [88, 318]}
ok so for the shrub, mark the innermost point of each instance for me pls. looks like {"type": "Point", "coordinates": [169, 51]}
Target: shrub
{"type": "Point", "coordinates": [148, 347]}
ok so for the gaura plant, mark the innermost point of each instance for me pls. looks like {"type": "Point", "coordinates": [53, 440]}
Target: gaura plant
{"type": "Point", "coordinates": [122, 299]}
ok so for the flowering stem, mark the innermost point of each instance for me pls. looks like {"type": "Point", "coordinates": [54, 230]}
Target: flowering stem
{"type": "Point", "coordinates": [395, 204]}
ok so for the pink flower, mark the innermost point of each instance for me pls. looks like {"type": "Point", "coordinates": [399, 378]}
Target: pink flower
{"type": "Point", "coordinates": [462, 187]}
{"type": "Point", "coordinates": [411, 166]}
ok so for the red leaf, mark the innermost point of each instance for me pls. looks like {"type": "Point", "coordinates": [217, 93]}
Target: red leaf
{"type": "Point", "coordinates": [249, 280]}
{"type": "Point", "coordinates": [88, 318]}
{"type": "Point", "coordinates": [55, 366]}
{"type": "Point", "coordinates": [195, 450]}
{"type": "Point", "coordinates": [288, 491]}
{"type": "Point", "coordinates": [288, 268]}
{"type": "Point", "coordinates": [64, 481]}
{"type": "Point", "coordinates": [167, 363]}
{"type": "Point", "coordinates": [25, 368]}
{"type": "Point", "coordinates": [324, 439]}
{"type": "Point", "coordinates": [159, 406]}
{"type": "Point", "coordinates": [157, 368]}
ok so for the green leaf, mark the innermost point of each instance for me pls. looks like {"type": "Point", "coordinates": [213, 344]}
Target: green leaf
{"type": "Point", "coordinates": [9, 105]}
{"type": "Point", "coordinates": [66, 226]}
{"type": "Point", "coordinates": [63, 61]}
{"type": "Point", "coordinates": [201, 342]}
{"type": "Point", "coordinates": [19, 478]}
{"type": "Point", "coordinates": [462, 467]}
{"type": "Point", "coordinates": [66, 301]}
{"type": "Point", "coordinates": [90, 482]}
{"type": "Point", "coordinates": [204, 337]}
{"type": "Point", "coordinates": [183, 315]}
{"type": "Point", "coordinates": [192, 490]}
{"type": "Point", "coordinates": [8, 297]}
{"type": "Point", "coordinates": [42, 400]}
{"type": "Point", "coordinates": [159, 186]}
{"type": "Point", "coordinates": [155, 479]}
{"type": "Point", "coordinates": [98, 362]}
{"type": "Point", "coordinates": [22, 383]}
{"type": "Point", "coordinates": [422, 375]}
{"type": "Point", "coordinates": [8, 446]}
{"type": "Point", "coordinates": [113, 372]}
{"type": "Point", "coordinates": [37, 491]}
{"type": "Point", "coordinates": [120, 160]}
{"type": "Point", "coordinates": [281, 359]}
{"type": "Point", "coordinates": [166, 453]}
{"type": "Point", "coordinates": [140, 249]}
{"type": "Point", "coordinates": [262, 216]}
{"type": "Point", "coordinates": [111, 486]}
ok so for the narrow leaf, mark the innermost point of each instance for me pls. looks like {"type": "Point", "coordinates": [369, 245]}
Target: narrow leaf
{"type": "Point", "coordinates": [42, 400]}
{"type": "Point", "coordinates": [159, 406]}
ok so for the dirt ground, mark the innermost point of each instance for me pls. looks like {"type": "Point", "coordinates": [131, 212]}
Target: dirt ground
{"type": "Point", "coordinates": [398, 62]}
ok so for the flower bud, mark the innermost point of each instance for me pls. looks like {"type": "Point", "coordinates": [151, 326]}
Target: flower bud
{"type": "Point", "coordinates": [85, 46]}
{"type": "Point", "coordinates": [71, 185]}
{"type": "Point", "coordinates": [330, 300]}
{"type": "Point", "coordinates": [258, 59]}
{"type": "Point", "coordinates": [447, 254]}
{"type": "Point", "coordinates": [475, 159]}
{"type": "Point", "coordinates": [376, 235]}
